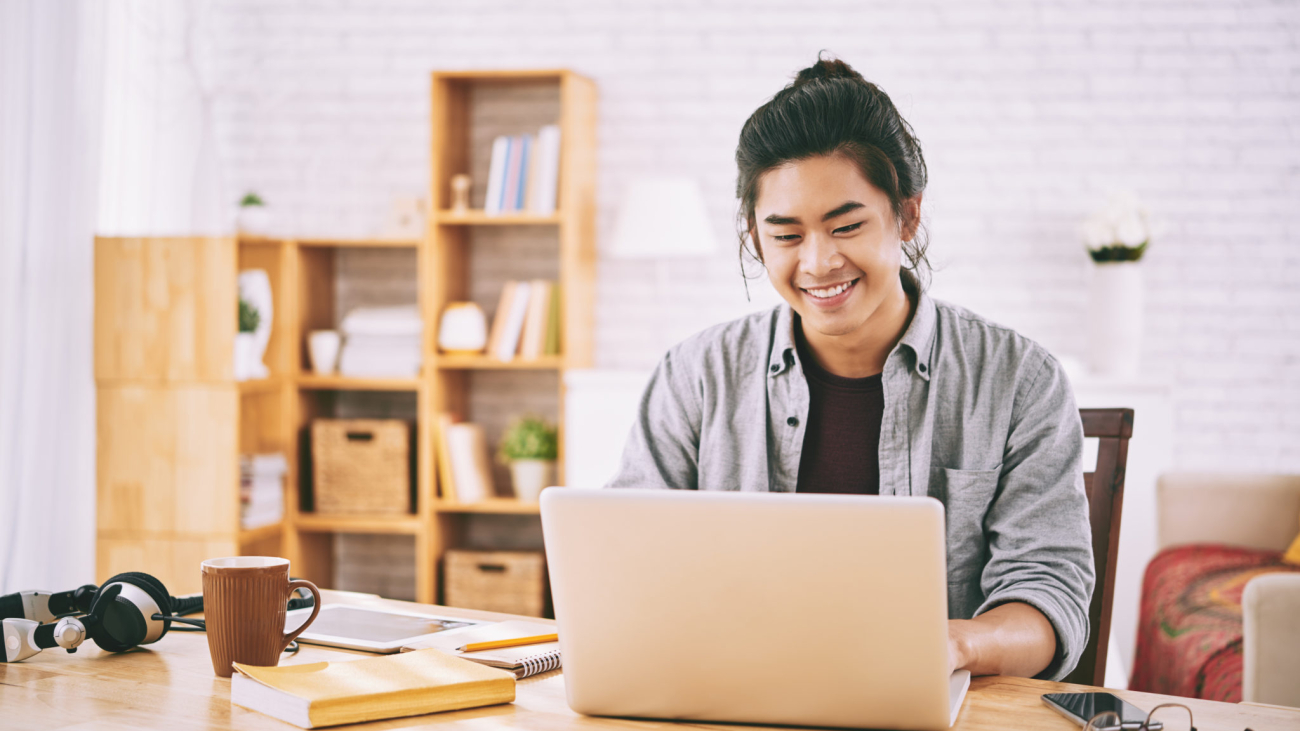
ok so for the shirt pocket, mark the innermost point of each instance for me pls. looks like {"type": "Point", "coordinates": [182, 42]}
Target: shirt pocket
{"type": "Point", "coordinates": [966, 496]}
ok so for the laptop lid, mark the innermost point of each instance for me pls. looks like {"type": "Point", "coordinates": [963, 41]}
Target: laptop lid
{"type": "Point", "coordinates": [773, 608]}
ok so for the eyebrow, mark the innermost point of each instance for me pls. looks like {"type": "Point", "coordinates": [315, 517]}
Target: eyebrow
{"type": "Point", "coordinates": [842, 209]}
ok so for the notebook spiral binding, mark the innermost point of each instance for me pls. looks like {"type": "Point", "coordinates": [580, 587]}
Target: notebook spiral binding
{"type": "Point", "coordinates": [537, 664]}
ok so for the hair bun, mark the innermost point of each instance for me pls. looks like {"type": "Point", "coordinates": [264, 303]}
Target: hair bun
{"type": "Point", "coordinates": [827, 69]}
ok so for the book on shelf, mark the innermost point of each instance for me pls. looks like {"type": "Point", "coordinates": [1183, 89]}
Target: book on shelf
{"type": "Point", "coordinates": [527, 321]}
{"type": "Point", "coordinates": [464, 467]}
{"type": "Point", "coordinates": [534, 336]}
{"type": "Point", "coordinates": [508, 344]}
{"type": "Point", "coordinates": [523, 173]}
{"type": "Point", "coordinates": [351, 691]}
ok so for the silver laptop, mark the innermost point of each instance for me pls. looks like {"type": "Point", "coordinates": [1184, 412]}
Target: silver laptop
{"type": "Point", "coordinates": [771, 608]}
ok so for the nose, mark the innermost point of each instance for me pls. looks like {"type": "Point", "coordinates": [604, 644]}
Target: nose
{"type": "Point", "coordinates": [820, 255]}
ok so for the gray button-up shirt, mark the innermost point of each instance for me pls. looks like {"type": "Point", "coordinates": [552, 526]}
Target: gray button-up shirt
{"type": "Point", "coordinates": [976, 416]}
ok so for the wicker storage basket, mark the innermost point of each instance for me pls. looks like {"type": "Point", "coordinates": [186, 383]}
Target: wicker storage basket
{"type": "Point", "coordinates": [513, 582]}
{"type": "Point", "coordinates": [361, 466]}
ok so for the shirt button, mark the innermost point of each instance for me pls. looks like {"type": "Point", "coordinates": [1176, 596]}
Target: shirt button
{"type": "Point", "coordinates": [775, 368]}
{"type": "Point", "coordinates": [793, 421]}
{"type": "Point", "coordinates": [921, 368]}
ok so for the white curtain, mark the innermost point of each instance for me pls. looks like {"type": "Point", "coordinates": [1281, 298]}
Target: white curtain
{"type": "Point", "coordinates": [51, 60]}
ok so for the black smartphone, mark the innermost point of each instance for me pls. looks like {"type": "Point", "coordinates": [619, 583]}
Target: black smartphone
{"type": "Point", "coordinates": [1081, 707]}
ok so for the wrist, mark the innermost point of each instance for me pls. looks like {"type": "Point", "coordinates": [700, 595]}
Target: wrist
{"type": "Point", "coordinates": [964, 649]}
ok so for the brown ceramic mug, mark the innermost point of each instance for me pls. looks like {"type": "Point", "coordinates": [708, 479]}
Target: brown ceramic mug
{"type": "Point", "coordinates": [244, 605]}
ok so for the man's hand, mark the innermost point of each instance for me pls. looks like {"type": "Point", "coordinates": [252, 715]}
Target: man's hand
{"type": "Point", "coordinates": [1013, 639]}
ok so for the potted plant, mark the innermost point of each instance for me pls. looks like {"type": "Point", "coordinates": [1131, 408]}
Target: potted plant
{"type": "Point", "coordinates": [246, 341]}
{"type": "Point", "coordinates": [1116, 238]}
{"type": "Point", "coordinates": [253, 216]}
{"type": "Point", "coordinates": [529, 447]}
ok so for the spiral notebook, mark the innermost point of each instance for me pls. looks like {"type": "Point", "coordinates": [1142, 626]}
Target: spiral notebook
{"type": "Point", "coordinates": [522, 661]}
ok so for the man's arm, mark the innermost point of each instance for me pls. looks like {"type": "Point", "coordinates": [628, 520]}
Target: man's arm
{"type": "Point", "coordinates": [1012, 639]}
{"type": "Point", "coordinates": [663, 447]}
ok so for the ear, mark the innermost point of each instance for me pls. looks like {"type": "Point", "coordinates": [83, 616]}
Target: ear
{"type": "Point", "coordinates": [911, 217]}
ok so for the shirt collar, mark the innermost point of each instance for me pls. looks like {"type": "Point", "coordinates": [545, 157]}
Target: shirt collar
{"type": "Point", "coordinates": [919, 338]}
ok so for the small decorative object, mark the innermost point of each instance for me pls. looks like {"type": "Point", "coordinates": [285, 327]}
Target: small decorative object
{"type": "Point", "coordinates": [253, 217]}
{"type": "Point", "coordinates": [530, 447]}
{"type": "Point", "coordinates": [463, 329]}
{"type": "Point", "coordinates": [1116, 236]}
{"type": "Point", "coordinates": [323, 349]}
{"type": "Point", "coordinates": [250, 344]}
{"type": "Point", "coordinates": [405, 219]}
{"type": "Point", "coordinates": [460, 193]}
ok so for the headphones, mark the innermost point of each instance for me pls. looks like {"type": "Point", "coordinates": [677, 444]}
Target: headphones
{"type": "Point", "coordinates": [128, 610]}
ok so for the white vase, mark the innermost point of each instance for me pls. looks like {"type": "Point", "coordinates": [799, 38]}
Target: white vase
{"type": "Point", "coordinates": [255, 289]}
{"type": "Point", "coordinates": [1115, 305]}
{"type": "Point", "coordinates": [463, 328]}
{"type": "Point", "coordinates": [530, 477]}
{"type": "Point", "coordinates": [323, 349]}
{"type": "Point", "coordinates": [246, 356]}
{"type": "Point", "coordinates": [253, 220]}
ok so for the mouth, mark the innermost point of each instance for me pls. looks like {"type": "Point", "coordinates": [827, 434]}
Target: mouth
{"type": "Point", "coordinates": [832, 295]}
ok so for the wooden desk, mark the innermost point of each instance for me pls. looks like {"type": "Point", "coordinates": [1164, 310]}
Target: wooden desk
{"type": "Point", "coordinates": [170, 685]}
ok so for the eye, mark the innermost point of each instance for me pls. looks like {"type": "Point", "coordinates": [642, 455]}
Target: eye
{"type": "Point", "coordinates": [787, 238]}
{"type": "Point", "coordinates": [849, 228]}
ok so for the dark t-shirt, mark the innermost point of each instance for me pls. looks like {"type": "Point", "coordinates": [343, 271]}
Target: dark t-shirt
{"type": "Point", "coordinates": [841, 441]}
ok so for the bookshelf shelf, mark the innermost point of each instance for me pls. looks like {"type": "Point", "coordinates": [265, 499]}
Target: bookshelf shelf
{"type": "Point", "coordinates": [345, 243]}
{"type": "Point", "coordinates": [312, 523]}
{"type": "Point", "coordinates": [479, 218]}
{"type": "Point", "coordinates": [501, 506]}
{"type": "Point", "coordinates": [260, 385]}
{"type": "Point", "coordinates": [313, 382]}
{"type": "Point", "coordinates": [487, 363]}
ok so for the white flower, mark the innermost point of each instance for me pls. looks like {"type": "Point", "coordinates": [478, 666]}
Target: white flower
{"type": "Point", "coordinates": [1123, 221]}
{"type": "Point", "coordinates": [1131, 230]}
{"type": "Point", "coordinates": [1097, 232]}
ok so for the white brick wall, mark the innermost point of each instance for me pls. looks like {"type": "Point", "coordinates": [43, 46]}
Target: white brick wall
{"type": "Point", "coordinates": [1029, 112]}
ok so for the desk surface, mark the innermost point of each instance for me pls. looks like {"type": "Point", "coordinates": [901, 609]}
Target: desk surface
{"type": "Point", "coordinates": [170, 685]}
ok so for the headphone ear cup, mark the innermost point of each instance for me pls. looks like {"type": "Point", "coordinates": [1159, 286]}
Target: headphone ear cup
{"type": "Point", "coordinates": [123, 624]}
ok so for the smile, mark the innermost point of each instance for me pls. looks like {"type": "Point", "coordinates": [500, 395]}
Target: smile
{"type": "Point", "coordinates": [826, 293]}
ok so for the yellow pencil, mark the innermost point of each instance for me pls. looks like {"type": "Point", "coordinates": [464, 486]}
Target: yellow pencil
{"type": "Point", "coordinates": [498, 644]}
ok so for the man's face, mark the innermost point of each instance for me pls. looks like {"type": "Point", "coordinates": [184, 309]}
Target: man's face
{"type": "Point", "coordinates": [830, 242]}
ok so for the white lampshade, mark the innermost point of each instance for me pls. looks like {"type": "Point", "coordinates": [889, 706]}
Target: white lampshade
{"type": "Point", "coordinates": [662, 217]}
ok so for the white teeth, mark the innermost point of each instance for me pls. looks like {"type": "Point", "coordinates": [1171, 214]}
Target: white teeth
{"type": "Point", "coordinates": [830, 292]}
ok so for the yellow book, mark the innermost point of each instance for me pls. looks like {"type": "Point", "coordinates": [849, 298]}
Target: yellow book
{"type": "Point", "coordinates": [389, 686]}
{"type": "Point", "coordinates": [445, 476]}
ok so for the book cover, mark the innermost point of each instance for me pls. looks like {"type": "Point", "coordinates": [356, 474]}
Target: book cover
{"type": "Point", "coordinates": [500, 316]}
{"type": "Point", "coordinates": [548, 139]}
{"type": "Point", "coordinates": [534, 168]}
{"type": "Point", "coordinates": [389, 686]}
{"type": "Point", "coordinates": [471, 471]}
{"type": "Point", "coordinates": [514, 164]}
{"type": "Point", "coordinates": [496, 174]}
{"type": "Point", "coordinates": [534, 339]}
{"type": "Point", "coordinates": [514, 324]}
{"type": "Point", "coordinates": [445, 476]}
{"type": "Point", "coordinates": [525, 143]}
{"type": "Point", "coordinates": [553, 322]}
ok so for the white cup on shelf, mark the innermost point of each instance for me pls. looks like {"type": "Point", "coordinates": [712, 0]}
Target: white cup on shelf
{"type": "Point", "coordinates": [323, 349]}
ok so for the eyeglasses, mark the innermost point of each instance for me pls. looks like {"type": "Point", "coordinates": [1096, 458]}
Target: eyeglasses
{"type": "Point", "coordinates": [1171, 719]}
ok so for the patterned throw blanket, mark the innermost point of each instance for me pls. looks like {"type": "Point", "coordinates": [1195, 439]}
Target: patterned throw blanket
{"type": "Point", "coordinates": [1189, 633]}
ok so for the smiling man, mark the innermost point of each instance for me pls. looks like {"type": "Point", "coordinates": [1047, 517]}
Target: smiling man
{"type": "Point", "coordinates": [862, 383]}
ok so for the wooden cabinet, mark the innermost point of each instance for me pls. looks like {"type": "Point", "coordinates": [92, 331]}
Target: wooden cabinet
{"type": "Point", "coordinates": [173, 421]}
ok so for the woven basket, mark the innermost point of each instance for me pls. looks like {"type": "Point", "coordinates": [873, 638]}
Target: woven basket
{"type": "Point", "coordinates": [361, 466]}
{"type": "Point", "coordinates": [513, 582]}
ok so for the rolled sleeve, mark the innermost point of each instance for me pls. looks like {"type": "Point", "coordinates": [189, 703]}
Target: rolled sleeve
{"type": "Point", "coordinates": [1039, 538]}
{"type": "Point", "coordinates": [662, 450]}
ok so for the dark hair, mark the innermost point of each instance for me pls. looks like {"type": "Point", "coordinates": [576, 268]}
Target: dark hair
{"type": "Point", "coordinates": [830, 109]}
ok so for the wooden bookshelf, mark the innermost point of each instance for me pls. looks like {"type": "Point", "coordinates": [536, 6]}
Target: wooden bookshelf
{"type": "Point", "coordinates": [173, 421]}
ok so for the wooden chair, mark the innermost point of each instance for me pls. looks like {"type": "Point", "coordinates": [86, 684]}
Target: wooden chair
{"type": "Point", "coordinates": [1105, 488]}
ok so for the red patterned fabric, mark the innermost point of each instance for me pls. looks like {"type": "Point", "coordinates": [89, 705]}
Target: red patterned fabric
{"type": "Point", "coordinates": [1189, 632]}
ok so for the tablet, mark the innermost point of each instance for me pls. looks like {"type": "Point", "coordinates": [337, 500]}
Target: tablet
{"type": "Point", "coordinates": [372, 630]}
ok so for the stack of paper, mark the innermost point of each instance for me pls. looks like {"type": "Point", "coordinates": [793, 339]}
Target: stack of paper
{"type": "Point", "coordinates": [381, 342]}
{"type": "Point", "coordinates": [524, 173]}
{"type": "Point", "coordinates": [261, 489]}
{"type": "Point", "coordinates": [388, 686]}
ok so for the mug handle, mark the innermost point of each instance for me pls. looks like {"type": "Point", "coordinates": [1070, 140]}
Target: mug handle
{"type": "Point", "coordinates": [315, 609]}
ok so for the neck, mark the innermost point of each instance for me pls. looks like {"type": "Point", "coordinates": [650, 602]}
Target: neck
{"type": "Point", "coordinates": [862, 352]}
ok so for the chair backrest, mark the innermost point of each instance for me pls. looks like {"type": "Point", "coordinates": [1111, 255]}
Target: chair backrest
{"type": "Point", "coordinates": [1105, 487]}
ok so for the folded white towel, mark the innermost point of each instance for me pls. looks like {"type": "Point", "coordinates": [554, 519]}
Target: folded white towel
{"type": "Point", "coordinates": [404, 320]}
